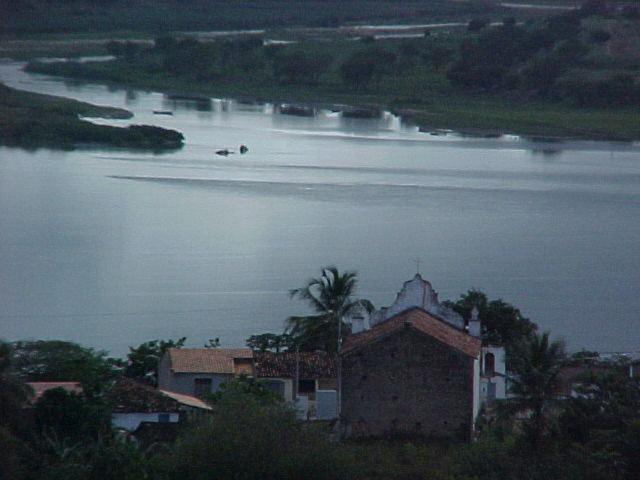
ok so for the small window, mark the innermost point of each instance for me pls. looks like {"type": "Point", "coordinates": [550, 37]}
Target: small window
{"type": "Point", "coordinates": [489, 364]}
{"type": "Point", "coordinates": [202, 387]}
{"type": "Point", "coordinates": [306, 386]}
{"type": "Point", "coordinates": [276, 386]}
{"type": "Point", "coordinates": [164, 417]}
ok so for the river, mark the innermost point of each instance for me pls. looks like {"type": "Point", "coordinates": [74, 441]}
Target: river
{"type": "Point", "coordinates": [112, 247]}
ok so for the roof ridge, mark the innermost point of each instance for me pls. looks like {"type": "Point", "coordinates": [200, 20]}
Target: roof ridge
{"type": "Point", "coordinates": [451, 336]}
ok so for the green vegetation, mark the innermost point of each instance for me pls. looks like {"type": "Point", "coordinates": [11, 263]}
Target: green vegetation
{"type": "Point", "coordinates": [502, 323]}
{"type": "Point", "coordinates": [142, 361]}
{"type": "Point", "coordinates": [569, 75]}
{"type": "Point", "coordinates": [56, 360]}
{"type": "Point", "coordinates": [331, 297]}
{"type": "Point", "coordinates": [170, 15]}
{"type": "Point", "coordinates": [252, 434]}
{"type": "Point", "coordinates": [31, 120]}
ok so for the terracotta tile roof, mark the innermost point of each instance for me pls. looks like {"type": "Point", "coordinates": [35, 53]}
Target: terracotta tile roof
{"type": "Point", "coordinates": [312, 365]}
{"type": "Point", "coordinates": [421, 321]}
{"type": "Point", "coordinates": [206, 360]}
{"type": "Point", "coordinates": [186, 400]}
{"type": "Point", "coordinates": [127, 396]}
{"type": "Point", "coordinates": [40, 387]}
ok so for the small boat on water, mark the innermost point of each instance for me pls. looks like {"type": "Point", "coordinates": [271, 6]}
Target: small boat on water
{"type": "Point", "coordinates": [225, 151]}
{"type": "Point", "coordinates": [162, 112]}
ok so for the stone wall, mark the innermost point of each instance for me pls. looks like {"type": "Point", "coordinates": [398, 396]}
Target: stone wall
{"type": "Point", "coordinates": [407, 383]}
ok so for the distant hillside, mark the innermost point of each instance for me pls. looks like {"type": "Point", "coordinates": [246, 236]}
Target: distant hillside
{"type": "Point", "coordinates": [60, 16]}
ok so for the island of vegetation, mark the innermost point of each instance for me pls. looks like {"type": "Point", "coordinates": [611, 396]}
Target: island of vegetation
{"type": "Point", "coordinates": [31, 120]}
{"type": "Point", "coordinates": [568, 75]}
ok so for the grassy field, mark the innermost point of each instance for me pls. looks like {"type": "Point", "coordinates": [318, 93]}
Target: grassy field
{"type": "Point", "coordinates": [57, 16]}
{"type": "Point", "coordinates": [33, 121]}
{"type": "Point", "coordinates": [421, 94]}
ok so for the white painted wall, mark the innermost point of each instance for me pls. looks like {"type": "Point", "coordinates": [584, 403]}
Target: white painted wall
{"type": "Point", "coordinates": [476, 390]}
{"type": "Point", "coordinates": [326, 404]}
{"type": "Point", "coordinates": [498, 378]}
{"type": "Point", "coordinates": [131, 421]}
{"type": "Point", "coordinates": [417, 292]}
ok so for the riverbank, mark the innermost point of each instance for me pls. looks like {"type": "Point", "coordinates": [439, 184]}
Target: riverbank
{"type": "Point", "coordinates": [31, 120]}
{"type": "Point", "coordinates": [440, 107]}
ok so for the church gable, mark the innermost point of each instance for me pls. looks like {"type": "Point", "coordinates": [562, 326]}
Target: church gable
{"type": "Point", "coordinates": [419, 293]}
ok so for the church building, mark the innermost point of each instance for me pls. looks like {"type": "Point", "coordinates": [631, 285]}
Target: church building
{"type": "Point", "coordinates": [415, 368]}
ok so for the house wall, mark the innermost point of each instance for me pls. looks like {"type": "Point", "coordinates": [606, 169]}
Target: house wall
{"type": "Point", "coordinates": [408, 383]}
{"type": "Point", "coordinates": [288, 386]}
{"type": "Point", "coordinates": [185, 382]}
{"type": "Point", "coordinates": [131, 421]}
{"type": "Point", "coordinates": [476, 390]}
{"type": "Point", "coordinates": [497, 378]}
{"type": "Point", "coordinates": [327, 384]}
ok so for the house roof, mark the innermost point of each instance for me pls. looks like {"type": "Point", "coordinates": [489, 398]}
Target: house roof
{"type": "Point", "coordinates": [312, 365]}
{"type": "Point", "coordinates": [423, 322]}
{"type": "Point", "coordinates": [186, 400]}
{"type": "Point", "coordinates": [40, 387]}
{"type": "Point", "coordinates": [127, 396]}
{"type": "Point", "coordinates": [206, 360]}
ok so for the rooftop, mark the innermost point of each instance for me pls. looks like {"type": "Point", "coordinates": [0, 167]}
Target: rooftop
{"type": "Point", "coordinates": [312, 365]}
{"type": "Point", "coordinates": [207, 360]}
{"type": "Point", "coordinates": [186, 400]}
{"type": "Point", "coordinates": [40, 387]}
{"type": "Point", "coordinates": [421, 321]}
{"type": "Point", "coordinates": [128, 396]}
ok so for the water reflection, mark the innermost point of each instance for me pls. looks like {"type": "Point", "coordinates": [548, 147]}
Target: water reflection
{"type": "Point", "coordinates": [122, 247]}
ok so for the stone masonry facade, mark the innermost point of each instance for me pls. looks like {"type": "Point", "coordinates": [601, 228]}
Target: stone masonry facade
{"type": "Point", "coordinates": [407, 383]}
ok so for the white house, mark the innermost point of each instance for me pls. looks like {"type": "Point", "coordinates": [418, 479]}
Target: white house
{"type": "Point", "coordinates": [134, 404]}
{"type": "Point", "coordinates": [200, 371]}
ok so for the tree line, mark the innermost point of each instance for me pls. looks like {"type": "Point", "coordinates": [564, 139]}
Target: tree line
{"type": "Point", "coordinates": [536, 433]}
{"type": "Point", "coordinates": [533, 60]}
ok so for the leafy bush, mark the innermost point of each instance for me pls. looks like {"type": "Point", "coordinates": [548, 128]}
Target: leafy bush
{"type": "Point", "coordinates": [247, 438]}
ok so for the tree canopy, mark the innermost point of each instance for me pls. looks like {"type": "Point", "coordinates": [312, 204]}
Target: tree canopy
{"type": "Point", "coordinates": [143, 360]}
{"type": "Point", "coordinates": [56, 360]}
{"type": "Point", "coordinates": [332, 297]}
{"type": "Point", "coordinates": [502, 323]}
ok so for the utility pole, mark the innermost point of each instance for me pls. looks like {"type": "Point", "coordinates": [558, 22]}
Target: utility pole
{"type": "Point", "coordinates": [339, 368]}
{"type": "Point", "coordinates": [297, 382]}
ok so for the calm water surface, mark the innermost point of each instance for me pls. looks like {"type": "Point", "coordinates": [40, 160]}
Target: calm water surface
{"type": "Point", "coordinates": [112, 247]}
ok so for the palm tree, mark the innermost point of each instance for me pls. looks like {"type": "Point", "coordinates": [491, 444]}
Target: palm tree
{"type": "Point", "coordinates": [536, 364]}
{"type": "Point", "coordinates": [331, 296]}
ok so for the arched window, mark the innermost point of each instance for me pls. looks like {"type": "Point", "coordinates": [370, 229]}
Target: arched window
{"type": "Point", "coordinates": [489, 363]}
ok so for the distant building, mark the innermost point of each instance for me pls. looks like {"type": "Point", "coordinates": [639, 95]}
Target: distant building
{"type": "Point", "coordinates": [200, 371]}
{"type": "Point", "coordinates": [134, 404]}
{"type": "Point", "coordinates": [493, 375]}
{"type": "Point", "coordinates": [416, 367]}
{"type": "Point", "coordinates": [315, 393]}
{"type": "Point", "coordinates": [411, 374]}
{"type": "Point", "coordinates": [39, 388]}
